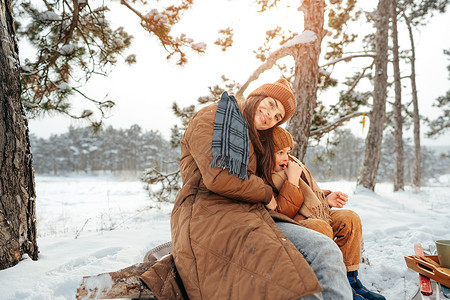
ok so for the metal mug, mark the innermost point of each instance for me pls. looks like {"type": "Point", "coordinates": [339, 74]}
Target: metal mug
{"type": "Point", "coordinates": [443, 250]}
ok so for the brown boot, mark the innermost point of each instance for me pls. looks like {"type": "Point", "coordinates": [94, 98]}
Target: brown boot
{"type": "Point", "coordinates": [158, 252]}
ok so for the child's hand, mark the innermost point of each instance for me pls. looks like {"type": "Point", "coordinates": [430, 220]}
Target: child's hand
{"type": "Point", "coordinates": [272, 204]}
{"type": "Point", "coordinates": [293, 172]}
{"type": "Point", "coordinates": [337, 199]}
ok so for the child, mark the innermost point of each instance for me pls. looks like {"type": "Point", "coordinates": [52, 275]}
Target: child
{"type": "Point", "coordinates": [301, 199]}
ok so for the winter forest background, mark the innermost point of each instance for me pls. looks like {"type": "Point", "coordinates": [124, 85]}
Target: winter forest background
{"type": "Point", "coordinates": [95, 97]}
{"type": "Point", "coordinates": [133, 150]}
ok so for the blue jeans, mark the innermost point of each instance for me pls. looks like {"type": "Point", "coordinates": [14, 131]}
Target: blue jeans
{"type": "Point", "coordinates": [324, 257]}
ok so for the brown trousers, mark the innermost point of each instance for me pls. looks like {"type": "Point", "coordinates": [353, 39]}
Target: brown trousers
{"type": "Point", "coordinates": [346, 230]}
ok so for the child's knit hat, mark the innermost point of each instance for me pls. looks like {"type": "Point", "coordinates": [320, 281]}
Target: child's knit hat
{"type": "Point", "coordinates": [280, 90]}
{"type": "Point", "coordinates": [282, 139]}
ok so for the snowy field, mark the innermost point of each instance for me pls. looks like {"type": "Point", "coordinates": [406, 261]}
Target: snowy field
{"type": "Point", "coordinates": [93, 224]}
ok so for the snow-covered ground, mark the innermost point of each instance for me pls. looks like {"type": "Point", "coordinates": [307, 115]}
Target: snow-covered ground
{"type": "Point", "coordinates": [94, 224]}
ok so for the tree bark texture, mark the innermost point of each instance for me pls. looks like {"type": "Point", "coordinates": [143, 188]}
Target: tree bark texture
{"type": "Point", "coordinates": [368, 172]}
{"type": "Point", "coordinates": [417, 155]}
{"type": "Point", "coordinates": [125, 284]}
{"type": "Point", "coordinates": [17, 187]}
{"type": "Point", "coordinates": [399, 173]}
{"type": "Point", "coordinates": [306, 77]}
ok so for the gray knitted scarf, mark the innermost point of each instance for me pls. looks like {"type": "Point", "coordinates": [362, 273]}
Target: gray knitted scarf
{"type": "Point", "coordinates": [230, 143]}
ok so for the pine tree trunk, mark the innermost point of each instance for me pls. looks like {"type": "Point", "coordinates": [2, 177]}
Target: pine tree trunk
{"type": "Point", "coordinates": [399, 173]}
{"type": "Point", "coordinates": [368, 172]}
{"type": "Point", "coordinates": [306, 77]}
{"type": "Point", "coordinates": [416, 165]}
{"type": "Point", "coordinates": [17, 188]}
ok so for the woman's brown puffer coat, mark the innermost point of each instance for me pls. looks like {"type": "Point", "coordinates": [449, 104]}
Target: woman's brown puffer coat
{"type": "Point", "coordinates": [226, 245]}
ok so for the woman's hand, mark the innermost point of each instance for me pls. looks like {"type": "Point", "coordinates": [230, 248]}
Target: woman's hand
{"type": "Point", "coordinates": [293, 172]}
{"type": "Point", "coordinates": [272, 204]}
{"type": "Point", "coordinates": [337, 199]}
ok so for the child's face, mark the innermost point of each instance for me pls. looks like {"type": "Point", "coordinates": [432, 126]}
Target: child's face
{"type": "Point", "coordinates": [281, 159]}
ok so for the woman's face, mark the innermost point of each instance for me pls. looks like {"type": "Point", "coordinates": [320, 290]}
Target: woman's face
{"type": "Point", "coordinates": [282, 159]}
{"type": "Point", "coordinates": [268, 113]}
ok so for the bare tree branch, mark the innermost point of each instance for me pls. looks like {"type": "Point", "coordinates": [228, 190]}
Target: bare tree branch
{"type": "Point", "coordinates": [74, 22]}
{"type": "Point", "coordinates": [123, 2]}
{"type": "Point", "coordinates": [359, 78]}
{"type": "Point", "coordinates": [285, 50]}
{"type": "Point", "coordinates": [347, 58]}
{"type": "Point", "coordinates": [337, 123]}
{"type": "Point", "coordinates": [270, 62]}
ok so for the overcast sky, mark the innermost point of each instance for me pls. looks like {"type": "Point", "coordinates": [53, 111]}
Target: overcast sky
{"type": "Point", "coordinates": [145, 91]}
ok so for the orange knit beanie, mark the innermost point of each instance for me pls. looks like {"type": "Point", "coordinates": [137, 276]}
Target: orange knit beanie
{"type": "Point", "coordinates": [280, 90]}
{"type": "Point", "coordinates": [282, 139]}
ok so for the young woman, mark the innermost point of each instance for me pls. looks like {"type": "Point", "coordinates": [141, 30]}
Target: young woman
{"type": "Point", "coordinates": [226, 245]}
{"type": "Point", "coordinates": [301, 199]}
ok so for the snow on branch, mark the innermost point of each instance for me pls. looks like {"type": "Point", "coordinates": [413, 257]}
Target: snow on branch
{"type": "Point", "coordinates": [306, 37]}
{"type": "Point", "coordinates": [337, 123]}
{"type": "Point", "coordinates": [67, 49]}
{"type": "Point", "coordinates": [49, 16]}
{"type": "Point", "coordinates": [160, 24]}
